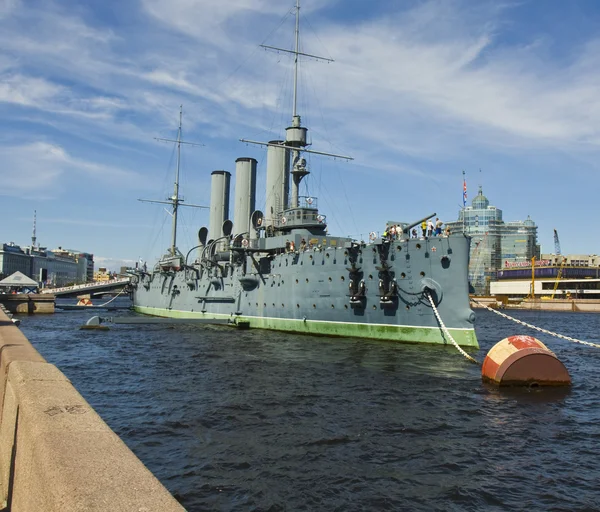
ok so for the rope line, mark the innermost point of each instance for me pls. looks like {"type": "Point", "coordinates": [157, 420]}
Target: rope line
{"type": "Point", "coordinates": [122, 291]}
{"type": "Point", "coordinates": [545, 331]}
{"type": "Point", "coordinates": [446, 331]}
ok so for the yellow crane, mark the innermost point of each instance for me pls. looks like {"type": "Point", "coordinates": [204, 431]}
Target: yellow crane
{"type": "Point", "coordinates": [532, 285]}
{"type": "Point", "coordinates": [558, 276]}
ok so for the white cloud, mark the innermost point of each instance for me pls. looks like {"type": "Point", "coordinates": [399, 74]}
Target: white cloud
{"type": "Point", "coordinates": [27, 91]}
{"type": "Point", "coordinates": [40, 170]}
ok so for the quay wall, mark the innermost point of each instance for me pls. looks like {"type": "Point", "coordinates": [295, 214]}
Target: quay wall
{"type": "Point", "coordinates": [56, 453]}
{"type": "Point", "coordinates": [28, 303]}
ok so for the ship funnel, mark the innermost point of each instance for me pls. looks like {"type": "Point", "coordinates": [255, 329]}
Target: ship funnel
{"type": "Point", "coordinates": [245, 194]}
{"type": "Point", "coordinates": [219, 202]}
{"type": "Point", "coordinates": [278, 163]}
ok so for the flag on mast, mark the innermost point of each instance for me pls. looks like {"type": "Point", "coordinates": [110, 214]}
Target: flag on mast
{"type": "Point", "coordinates": [464, 190]}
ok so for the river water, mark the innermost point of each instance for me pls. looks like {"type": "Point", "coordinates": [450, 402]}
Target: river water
{"type": "Point", "coordinates": [258, 420]}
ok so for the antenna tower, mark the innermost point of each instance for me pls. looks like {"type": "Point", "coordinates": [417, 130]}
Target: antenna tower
{"type": "Point", "coordinates": [33, 237]}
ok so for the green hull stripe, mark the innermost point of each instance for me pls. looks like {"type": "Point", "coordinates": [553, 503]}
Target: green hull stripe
{"type": "Point", "coordinates": [400, 333]}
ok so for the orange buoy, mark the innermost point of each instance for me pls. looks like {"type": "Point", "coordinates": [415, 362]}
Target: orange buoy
{"type": "Point", "coordinates": [523, 361]}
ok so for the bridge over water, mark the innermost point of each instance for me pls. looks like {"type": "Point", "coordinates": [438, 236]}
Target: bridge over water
{"type": "Point", "coordinates": [89, 289]}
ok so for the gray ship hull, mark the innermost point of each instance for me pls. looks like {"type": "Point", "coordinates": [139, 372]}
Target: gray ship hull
{"type": "Point", "coordinates": [338, 287]}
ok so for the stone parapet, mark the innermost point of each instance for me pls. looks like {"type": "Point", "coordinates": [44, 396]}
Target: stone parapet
{"type": "Point", "coordinates": [56, 453]}
{"type": "Point", "coordinates": [28, 303]}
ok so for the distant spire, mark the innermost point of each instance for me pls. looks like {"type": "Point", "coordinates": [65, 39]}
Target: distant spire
{"type": "Point", "coordinates": [33, 237]}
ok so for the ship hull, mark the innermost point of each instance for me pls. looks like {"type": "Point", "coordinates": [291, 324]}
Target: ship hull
{"type": "Point", "coordinates": [317, 291]}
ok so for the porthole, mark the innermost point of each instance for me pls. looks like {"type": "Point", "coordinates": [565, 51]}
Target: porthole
{"type": "Point", "coordinates": [342, 278]}
{"type": "Point", "coordinates": [264, 304]}
{"type": "Point", "coordinates": [418, 246]}
{"type": "Point", "coordinates": [374, 307]}
{"type": "Point", "coordinates": [332, 306]}
{"type": "Point", "coordinates": [370, 276]}
{"type": "Point", "coordinates": [307, 279]}
{"type": "Point", "coordinates": [403, 275]}
{"type": "Point", "coordinates": [330, 279]}
{"type": "Point", "coordinates": [296, 281]}
{"type": "Point", "coordinates": [345, 306]}
{"type": "Point", "coordinates": [422, 274]}
{"type": "Point", "coordinates": [327, 255]}
{"type": "Point", "coordinates": [297, 305]}
{"type": "Point", "coordinates": [282, 305]}
{"type": "Point", "coordinates": [398, 248]}
{"type": "Point", "coordinates": [314, 306]}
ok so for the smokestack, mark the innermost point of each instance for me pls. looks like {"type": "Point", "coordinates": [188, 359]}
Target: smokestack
{"type": "Point", "coordinates": [278, 163]}
{"type": "Point", "coordinates": [219, 203]}
{"type": "Point", "coordinates": [245, 194]}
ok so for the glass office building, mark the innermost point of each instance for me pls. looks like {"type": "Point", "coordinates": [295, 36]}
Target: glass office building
{"type": "Point", "coordinates": [495, 244]}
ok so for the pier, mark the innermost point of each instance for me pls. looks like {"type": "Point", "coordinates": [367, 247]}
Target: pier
{"type": "Point", "coordinates": [56, 453]}
{"type": "Point", "coordinates": [28, 303]}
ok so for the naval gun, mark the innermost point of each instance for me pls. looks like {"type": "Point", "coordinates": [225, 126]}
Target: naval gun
{"type": "Point", "coordinates": [417, 223]}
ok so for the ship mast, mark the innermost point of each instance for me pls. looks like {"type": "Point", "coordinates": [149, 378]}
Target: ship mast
{"type": "Point", "coordinates": [176, 200]}
{"type": "Point", "coordinates": [297, 34]}
{"type": "Point", "coordinates": [296, 140]}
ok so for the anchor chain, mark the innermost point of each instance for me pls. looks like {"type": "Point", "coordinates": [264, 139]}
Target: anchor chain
{"type": "Point", "coordinates": [446, 331]}
{"type": "Point", "coordinates": [122, 291]}
{"type": "Point", "coordinates": [545, 331]}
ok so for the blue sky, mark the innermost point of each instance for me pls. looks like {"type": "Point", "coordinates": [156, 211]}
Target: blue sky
{"type": "Point", "coordinates": [419, 91]}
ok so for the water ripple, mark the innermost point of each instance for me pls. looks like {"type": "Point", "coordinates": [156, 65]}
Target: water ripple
{"type": "Point", "coordinates": [266, 421]}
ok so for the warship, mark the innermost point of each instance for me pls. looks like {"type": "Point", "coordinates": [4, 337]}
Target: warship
{"type": "Point", "coordinates": [279, 268]}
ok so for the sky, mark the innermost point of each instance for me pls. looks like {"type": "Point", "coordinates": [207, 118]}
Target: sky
{"type": "Point", "coordinates": [419, 91]}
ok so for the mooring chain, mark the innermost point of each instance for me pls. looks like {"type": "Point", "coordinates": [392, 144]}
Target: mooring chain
{"type": "Point", "coordinates": [545, 331]}
{"type": "Point", "coordinates": [446, 331]}
{"type": "Point", "coordinates": [122, 291]}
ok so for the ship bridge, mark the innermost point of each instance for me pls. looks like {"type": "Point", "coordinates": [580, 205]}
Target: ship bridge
{"type": "Point", "coordinates": [305, 215]}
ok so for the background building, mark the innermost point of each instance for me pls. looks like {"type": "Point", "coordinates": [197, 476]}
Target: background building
{"type": "Point", "coordinates": [494, 243]}
{"type": "Point", "coordinates": [13, 259]}
{"type": "Point", "coordinates": [58, 267]}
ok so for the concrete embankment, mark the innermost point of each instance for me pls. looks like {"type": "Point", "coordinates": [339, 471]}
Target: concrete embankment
{"type": "Point", "coordinates": [56, 453]}
{"type": "Point", "coordinates": [28, 303]}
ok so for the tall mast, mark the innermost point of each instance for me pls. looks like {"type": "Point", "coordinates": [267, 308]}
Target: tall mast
{"type": "Point", "coordinates": [175, 199]}
{"type": "Point", "coordinates": [296, 140]}
{"type": "Point", "coordinates": [296, 58]}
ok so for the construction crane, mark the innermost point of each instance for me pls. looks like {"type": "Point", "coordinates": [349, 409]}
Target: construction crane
{"type": "Point", "coordinates": [532, 285]}
{"type": "Point", "coordinates": [558, 274]}
{"type": "Point", "coordinates": [556, 243]}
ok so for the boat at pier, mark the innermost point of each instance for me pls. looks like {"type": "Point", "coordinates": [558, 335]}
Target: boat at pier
{"type": "Point", "coordinates": [280, 268]}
